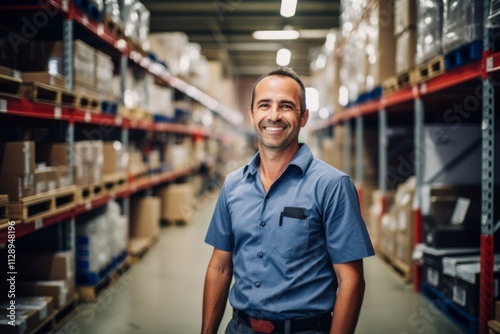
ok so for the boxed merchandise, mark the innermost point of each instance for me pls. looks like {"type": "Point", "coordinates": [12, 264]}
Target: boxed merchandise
{"type": "Point", "coordinates": [17, 158]}
{"type": "Point", "coordinates": [58, 177]}
{"type": "Point", "coordinates": [388, 234]}
{"type": "Point", "coordinates": [42, 306]}
{"type": "Point", "coordinates": [104, 68]}
{"type": "Point", "coordinates": [17, 186]}
{"type": "Point", "coordinates": [93, 244]}
{"type": "Point", "coordinates": [25, 321]}
{"type": "Point", "coordinates": [450, 236]}
{"type": "Point", "coordinates": [115, 159]}
{"type": "Point", "coordinates": [45, 265]}
{"type": "Point", "coordinates": [403, 248]}
{"type": "Point", "coordinates": [466, 287]}
{"type": "Point", "coordinates": [405, 16]}
{"type": "Point", "coordinates": [112, 11]}
{"type": "Point", "coordinates": [145, 217]}
{"type": "Point", "coordinates": [54, 154]}
{"type": "Point", "coordinates": [429, 30]}
{"type": "Point", "coordinates": [40, 181]}
{"type": "Point", "coordinates": [462, 23]}
{"type": "Point", "coordinates": [48, 78]}
{"type": "Point", "coordinates": [176, 202]}
{"type": "Point", "coordinates": [60, 291]}
{"type": "Point", "coordinates": [406, 48]}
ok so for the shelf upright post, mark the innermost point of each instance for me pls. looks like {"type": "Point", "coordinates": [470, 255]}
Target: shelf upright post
{"type": "Point", "coordinates": [487, 184]}
{"type": "Point", "coordinates": [419, 169]}
{"type": "Point", "coordinates": [124, 132]}
{"type": "Point", "coordinates": [347, 148]}
{"type": "Point", "coordinates": [359, 158]}
{"type": "Point", "coordinates": [70, 225]}
{"type": "Point", "coordinates": [382, 158]}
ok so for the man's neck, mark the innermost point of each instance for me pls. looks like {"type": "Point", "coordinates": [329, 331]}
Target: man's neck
{"type": "Point", "coordinates": [273, 163]}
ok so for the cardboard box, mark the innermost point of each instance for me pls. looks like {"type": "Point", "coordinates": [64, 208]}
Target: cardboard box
{"type": "Point", "coordinates": [466, 288]}
{"type": "Point", "coordinates": [17, 186]}
{"type": "Point", "coordinates": [26, 321]}
{"type": "Point", "coordinates": [451, 236]}
{"type": "Point", "coordinates": [43, 306]}
{"type": "Point", "coordinates": [40, 178]}
{"type": "Point", "coordinates": [56, 80]}
{"type": "Point", "coordinates": [404, 248]}
{"type": "Point", "coordinates": [145, 217]}
{"type": "Point", "coordinates": [115, 158]}
{"type": "Point", "coordinates": [55, 154]}
{"type": "Point", "coordinates": [17, 158]}
{"type": "Point", "coordinates": [406, 47]}
{"type": "Point", "coordinates": [45, 266]}
{"type": "Point", "coordinates": [405, 16]}
{"type": "Point", "coordinates": [176, 202]}
{"type": "Point", "coordinates": [60, 291]}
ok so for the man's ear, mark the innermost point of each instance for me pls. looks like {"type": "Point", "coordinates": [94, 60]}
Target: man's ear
{"type": "Point", "coordinates": [304, 118]}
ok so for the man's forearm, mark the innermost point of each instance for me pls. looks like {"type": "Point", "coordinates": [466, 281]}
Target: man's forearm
{"type": "Point", "coordinates": [215, 294]}
{"type": "Point", "coordinates": [347, 307]}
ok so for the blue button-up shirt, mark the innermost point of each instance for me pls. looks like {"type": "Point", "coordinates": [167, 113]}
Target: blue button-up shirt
{"type": "Point", "coordinates": [285, 241]}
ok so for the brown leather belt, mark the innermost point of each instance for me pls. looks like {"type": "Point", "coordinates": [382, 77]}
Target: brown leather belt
{"type": "Point", "coordinates": [320, 322]}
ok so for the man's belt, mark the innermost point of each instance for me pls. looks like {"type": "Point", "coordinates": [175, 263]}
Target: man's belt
{"type": "Point", "coordinates": [320, 322]}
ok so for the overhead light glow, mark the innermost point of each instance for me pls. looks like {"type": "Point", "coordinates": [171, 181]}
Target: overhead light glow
{"type": "Point", "coordinates": [312, 99]}
{"type": "Point", "coordinates": [283, 57]}
{"type": "Point", "coordinates": [275, 34]}
{"type": "Point", "coordinates": [288, 8]}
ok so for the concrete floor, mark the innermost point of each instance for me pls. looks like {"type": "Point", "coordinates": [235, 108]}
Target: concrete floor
{"type": "Point", "coordinates": [163, 292]}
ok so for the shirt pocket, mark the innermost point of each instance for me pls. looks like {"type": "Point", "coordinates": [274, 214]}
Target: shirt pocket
{"type": "Point", "coordinates": [292, 233]}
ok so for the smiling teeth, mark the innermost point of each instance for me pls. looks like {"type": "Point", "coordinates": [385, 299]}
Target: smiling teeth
{"type": "Point", "coordinates": [273, 128]}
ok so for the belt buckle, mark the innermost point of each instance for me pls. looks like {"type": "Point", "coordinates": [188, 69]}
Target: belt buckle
{"type": "Point", "coordinates": [262, 326]}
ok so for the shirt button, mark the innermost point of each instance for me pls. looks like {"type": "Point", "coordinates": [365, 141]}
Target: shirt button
{"type": "Point", "coordinates": [257, 285]}
{"type": "Point", "coordinates": [260, 255]}
{"type": "Point", "coordinates": [262, 224]}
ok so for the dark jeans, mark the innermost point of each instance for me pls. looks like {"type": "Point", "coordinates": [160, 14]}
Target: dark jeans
{"type": "Point", "coordinates": [237, 327]}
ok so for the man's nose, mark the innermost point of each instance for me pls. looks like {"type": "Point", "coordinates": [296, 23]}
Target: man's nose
{"type": "Point", "coordinates": [274, 113]}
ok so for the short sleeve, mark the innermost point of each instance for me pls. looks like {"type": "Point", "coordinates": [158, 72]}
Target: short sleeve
{"type": "Point", "coordinates": [346, 234]}
{"type": "Point", "coordinates": [219, 234]}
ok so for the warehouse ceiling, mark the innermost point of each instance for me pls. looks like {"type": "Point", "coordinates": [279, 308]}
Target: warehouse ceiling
{"type": "Point", "coordinates": [223, 28]}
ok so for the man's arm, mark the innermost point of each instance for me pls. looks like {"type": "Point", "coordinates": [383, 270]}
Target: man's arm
{"type": "Point", "coordinates": [349, 297]}
{"type": "Point", "coordinates": [217, 282]}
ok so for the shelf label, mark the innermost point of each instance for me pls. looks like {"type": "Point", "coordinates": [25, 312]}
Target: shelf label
{"type": "Point", "coordinates": [100, 29]}
{"type": "Point", "coordinates": [489, 64]}
{"type": "Point", "coordinates": [88, 117]}
{"type": "Point", "coordinates": [423, 88]}
{"type": "Point", "coordinates": [3, 105]}
{"type": "Point", "coordinates": [85, 20]}
{"type": "Point", "coordinates": [57, 112]}
{"type": "Point", "coordinates": [88, 205]}
{"type": "Point", "coordinates": [16, 74]}
{"type": "Point", "coordinates": [65, 5]}
{"type": "Point", "coordinates": [38, 223]}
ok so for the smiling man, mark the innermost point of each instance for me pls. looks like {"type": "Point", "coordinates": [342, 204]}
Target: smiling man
{"type": "Point", "coordinates": [288, 227]}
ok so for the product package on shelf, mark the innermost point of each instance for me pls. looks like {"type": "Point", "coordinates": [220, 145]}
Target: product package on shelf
{"type": "Point", "coordinates": [112, 16]}
{"type": "Point", "coordinates": [406, 48]}
{"type": "Point", "coordinates": [17, 169]}
{"type": "Point", "coordinates": [169, 47]}
{"type": "Point", "coordinates": [144, 224]}
{"type": "Point", "coordinates": [405, 16]}
{"type": "Point", "coordinates": [429, 30]}
{"type": "Point", "coordinates": [176, 202]}
{"type": "Point", "coordinates": [494, 17]}
{"type": "Point", "coordinates": [135, 19]}
{"type": "Point", "coordinates": [462, 23]}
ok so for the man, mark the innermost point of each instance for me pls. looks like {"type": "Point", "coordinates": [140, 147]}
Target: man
{"type": "Point", "coordinates": [288, 226]}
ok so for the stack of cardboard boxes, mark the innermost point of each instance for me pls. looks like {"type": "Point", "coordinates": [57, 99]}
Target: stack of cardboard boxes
{"type": "Point", "coordinates": [405, 20]}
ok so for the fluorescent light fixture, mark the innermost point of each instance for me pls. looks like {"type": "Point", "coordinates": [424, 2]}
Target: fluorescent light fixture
{"type": "Point", "coordinates": [283, 57]}
{"type": "Point", "coordinates": [288, 8]}
{"type": "Point", "coordinates": [312, 99]}
{"type": "Point", "coordinates": [275, 34]}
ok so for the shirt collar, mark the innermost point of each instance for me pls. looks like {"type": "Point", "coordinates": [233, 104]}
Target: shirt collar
{"type": "Point", "coordinates": [301, 159]}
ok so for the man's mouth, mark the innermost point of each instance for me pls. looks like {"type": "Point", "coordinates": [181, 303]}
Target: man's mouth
{"type": "Point", "coordinates": [274, 128]}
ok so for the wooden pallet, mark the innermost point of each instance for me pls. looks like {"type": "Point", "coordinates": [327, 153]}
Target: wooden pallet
{"type": "Point", "coordinates": [403, 271]}
{"type": "Point", "coordinates": [113, 183]}
{"type": "Point", "coordinates": [399, 81]}
{"type": "Point", "coordinates": [43, 205]}
{"type": "Point", "coordinates": [59, 317]}
{"type": "Point", "coordinates": [9, 86]}
{"type": "Point", "coordinates": [89, 192]}
{"type": "Point", "coordinates": [138, 247]}
{"type": "Point", "coordinates": [430, 69]}
{"type": "Point", "coordinates": [40, 92]}
{"type": "Point", "coordinates": [115, 28]}
{"type": "Point", "coordinates": [87, 102]}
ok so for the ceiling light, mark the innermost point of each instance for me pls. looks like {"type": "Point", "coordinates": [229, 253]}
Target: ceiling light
{"type": "Point", "coordinates": [275, 34]}
{"type": "Point", "coordinates": [283, 57]}
{"type": "Point", "coordinates": [288, 8]}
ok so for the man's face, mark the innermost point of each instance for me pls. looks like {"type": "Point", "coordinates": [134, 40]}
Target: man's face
{"type": "Point", "coordinates": [276, 112]}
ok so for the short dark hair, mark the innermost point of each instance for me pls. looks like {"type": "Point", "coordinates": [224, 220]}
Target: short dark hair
{"type": "Point", "coordinates": [283, 71]}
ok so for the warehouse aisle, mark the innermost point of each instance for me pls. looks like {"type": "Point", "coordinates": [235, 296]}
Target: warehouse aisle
{"type": "Point", "coordinates": [163, 293]}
